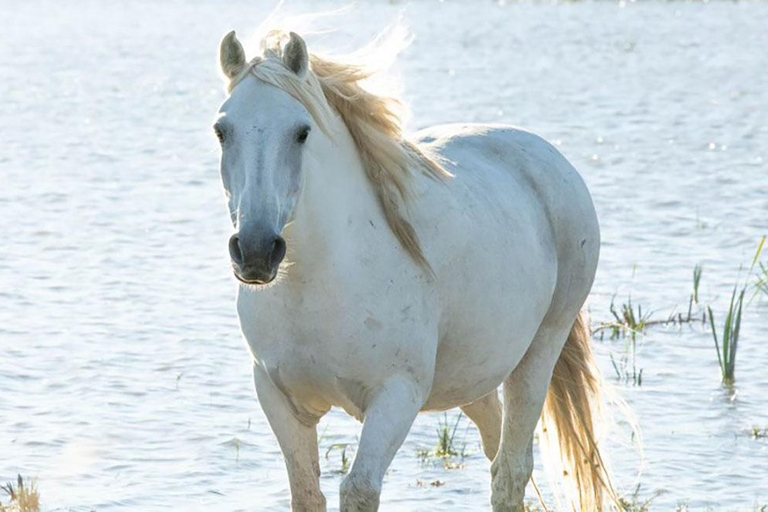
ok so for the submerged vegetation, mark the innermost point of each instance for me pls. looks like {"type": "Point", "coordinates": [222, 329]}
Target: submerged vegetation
{"type": "Point", "coordinates": [727, 345]}
{"type": "Point", "coordinates": [446, 448]}
{"type": "Point", "coordinates": [345, 461]}
{"type": "Point", "coordinates": [445, 435]}
{"type": "Point", "coordinates": [697, 271]}
{"type": "Point", "coordinates": [634, 503]}
{"type": "Point", "coordinates": [726, 351]}
{"type": "Point", "coordinates": [630, 320]}
{"type": "Point", "coordinates": [761, 271]}
{"type": "Point", "coordinates": [758, 432]}
{"type": "Point", "coordinates": [625, 365]}
{"type": "Point", "coordinates": [23, 495]}
{"type": "Point", "coordinates": [627, 320]}
{"type": "Point", "coordinates": [762, 279]}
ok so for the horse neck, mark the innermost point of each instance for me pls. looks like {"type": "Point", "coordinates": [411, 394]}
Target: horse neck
{"type": "Point", "coordinates": [337, 203]}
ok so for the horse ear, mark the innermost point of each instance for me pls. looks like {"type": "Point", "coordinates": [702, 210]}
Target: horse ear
{"type": "Point", "coordinates": [231, 55]}
{"type": "Point", "coordinates": [295, 56]}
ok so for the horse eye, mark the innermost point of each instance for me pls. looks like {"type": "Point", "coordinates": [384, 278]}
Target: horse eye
{"type": "Point", "coordinates": [301, 138]}
{"type": "Point", "coordinates": [219, 134]}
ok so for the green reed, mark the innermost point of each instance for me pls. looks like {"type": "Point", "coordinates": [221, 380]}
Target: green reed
{"type": "Point", "coordinates": [727, 345]}
{"type": "Point", "coordinates": [761, 274]}
{"type": "Point", "coordinates": [446, 448]}
{"type": "Point", "coordinates": [697, 271]}
{"type": "Point", "coordinates": [445, 436]}
{"type": "Point", "coordinates": [762, 279]}
{"type": "Point", "coordinates": [345, 461]}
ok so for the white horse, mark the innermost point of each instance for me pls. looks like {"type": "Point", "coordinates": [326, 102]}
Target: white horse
{"type": "Point", "coordinates": [423, 274]}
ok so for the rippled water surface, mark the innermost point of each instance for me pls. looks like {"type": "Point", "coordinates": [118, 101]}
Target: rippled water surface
{"type": "Point", "coordinates": [124, 382]}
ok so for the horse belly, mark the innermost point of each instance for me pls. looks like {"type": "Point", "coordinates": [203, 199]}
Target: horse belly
{"type": "Point", "coordinates": [496, 286]}
{"type": "Point", "coordinates": [481, 345]}
{"type": "Point", "coordinates": [490, 321]}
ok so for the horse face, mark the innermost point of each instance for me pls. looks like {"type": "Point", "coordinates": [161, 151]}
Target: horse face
{"type": "Point", "coordinates": [263, 133]}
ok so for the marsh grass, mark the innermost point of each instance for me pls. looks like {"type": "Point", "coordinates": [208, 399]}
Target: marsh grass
{"type": "Point", "coordinates": [625, 365]}
{"type": "Point", "coordinates": [433, 483]}
{"type": "Point", "coordinates": [23, 495]}
{"type": "Point", "coordinates": [626, 321]}
{"type": "Point", "coordinates": [447, 448]}
{"type": "Point", "coordinates": [761, 272]}
{"type": "Point", "coordinates": [728, 343]}
{"type": "Point", "coordinates": [762, 279]}
{"type": "Point", "coordinates": [345, 461]}
{"type": "Point", "coordinates": [697, 271]}
{"type": "Point", "coordinates": [445, 437]}
{"type": "Point", "coordinates": [634, 503]}
{"type": "Point", "coordinates": [727, 346]}
{"type": "Point", "coordinates": [630, 320]}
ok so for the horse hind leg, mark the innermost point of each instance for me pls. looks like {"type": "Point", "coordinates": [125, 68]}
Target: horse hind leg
{"type": "Point", "coordinates": [525, 391]}
{"type": "Point", "coordinates": [486, 414]}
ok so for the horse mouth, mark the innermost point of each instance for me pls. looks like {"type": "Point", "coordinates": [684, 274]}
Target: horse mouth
{"type": "Point", "coordinates": [253, 281]}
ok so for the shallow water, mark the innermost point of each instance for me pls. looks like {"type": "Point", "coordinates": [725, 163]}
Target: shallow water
{"type": "Point", "coordinates": [124, 382]}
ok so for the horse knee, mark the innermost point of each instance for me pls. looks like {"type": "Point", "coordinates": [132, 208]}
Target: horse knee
{"type": "Point", "coordinates": [359, 495]}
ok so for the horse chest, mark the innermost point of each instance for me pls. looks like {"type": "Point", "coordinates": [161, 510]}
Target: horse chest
{"type": "Point", "coordinates": [324, 356]}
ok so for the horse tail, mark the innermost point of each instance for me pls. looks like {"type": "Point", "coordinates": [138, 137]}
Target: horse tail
{"type": "Point", "coordinates": [572, 412]}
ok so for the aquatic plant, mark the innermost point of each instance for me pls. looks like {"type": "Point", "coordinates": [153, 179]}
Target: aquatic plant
{"type": "Point", "coordinates": [726, 351]}
{"type": "Point", "coordinates": [24, 496]}
{"type": "Point", "coordinates": [445, 436]}
{"type": "Point", "coordinates": [446, 448]}
{"type": "Point", "coordinates": [761, 274]}
{"type": "Point", "coordinates": [344, 469]}
{"type": "Point", "coordinates": [634, 503]}
{"type": "Point", "coordinates": [631, 320]}
{"type": "Point", "coordinates": [627, 320]}
{"type": "Point", "coordinates": [697, 271]}
{"type": "Point", "coordinates": [762, 279]}
{"type": "Point", "coordinates": [626, 366]}
{"type": "Point", "coordinates": [728, 344]}
{"type": "Point", "coordinates": [433, 483]}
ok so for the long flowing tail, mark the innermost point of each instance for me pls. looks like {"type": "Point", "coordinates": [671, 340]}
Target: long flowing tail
{"type": "Point", "coordinates": [572, 412]}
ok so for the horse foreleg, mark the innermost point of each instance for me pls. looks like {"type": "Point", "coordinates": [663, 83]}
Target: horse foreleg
{"type": "Point", "coordinates": [298, 442]}
{"type": "Point", "coordinates": [486, 414]}
{"type": "Point", "coordinates": [524, 393]}
{"type": "Point", "coordinates": [388, 418]}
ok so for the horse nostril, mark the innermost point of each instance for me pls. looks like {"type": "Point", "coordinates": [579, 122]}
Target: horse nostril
{"type": "Point", "coordinates": [278, 251]}
{"type": "Point", "coordinates": [234, 249]}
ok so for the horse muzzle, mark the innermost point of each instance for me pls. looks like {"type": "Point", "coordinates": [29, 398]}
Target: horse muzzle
{"type": "Point", "coordinates": [256, 261]}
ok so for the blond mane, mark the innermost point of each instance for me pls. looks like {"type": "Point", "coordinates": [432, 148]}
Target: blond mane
{"type": "Point", "coordinates": [375, 123]}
